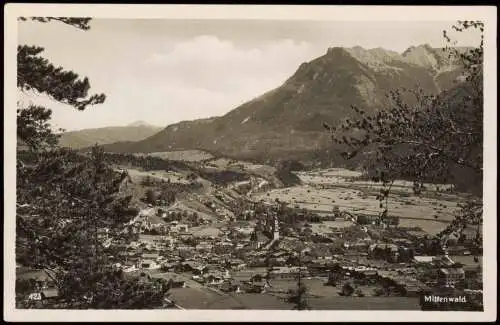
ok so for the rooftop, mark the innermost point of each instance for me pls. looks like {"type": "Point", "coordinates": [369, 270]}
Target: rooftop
{"type": "Point", "coordinates": [452, 271]}
{"type": "Point", "coordinates": [50, 293]}
{"type": "Point", "coordinates": [423, 259]}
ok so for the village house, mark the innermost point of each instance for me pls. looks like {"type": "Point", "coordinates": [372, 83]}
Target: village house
{"type": "Point", "coordinates": [414, 288]}
{"type": "Point", "coordinates": [367, 273]}
{"type": "Point", "coordinates": [321, 267]}
{"type": "Point", "coordinates": [179, 228]}
{"type": "Point", "coordinates": [214, 278]}
{"type": "Point", "coordinates": [405, 242]}
{"type": "Point", "coordinates": [204, 247]}
{"type": "Point", "coordinates": [151, 256]}
{"type": "Point", "coordinates": [450, 239]}
{"type": "Point", "coordinates": [215, 267]}
{"type": "Point", "coordinates": [230, 285]}
{"type": "Point", "coordinates": [450, 276]}
{"type": "Point", "coordinates": [280, 253]}
{"type": "Point", "coordinates": [473, 277]}
{"type": "Point", "coordinates": [423, 260]}
{"type": "Point", "coordinates": [183, 247]}
{"type": "Point", "coordinates": [212, 258]}
{"type": "Point", "coordinates": [157, 240]}
{"type": "Point", "coordinates": [193, 267]}
{"type": "Point", "coordinates": [184, 235]}
{"type": "Point", "coordinates": [359, 246]}
{"type": "Point", "coordinates": [388, 252]}
{"type": "Point", "coordinates": [443, 261]}
{"type": "Point", "coordinates": [103, 233]}
{"type": "Point", "coordinates": [149, 261]}
{"type": "Point", "coordinates": [185, 252]}
{"type": "Point", "coordinates": [286, 272]}
{"type": "Point", "coordinates": [148, 264]}
{"type": "Point", "coordinates": [167, 266]}
{"type": "Point", "coordinates": [223, 247]}
{"type": "Point", "coordinates": [174, 280]}
{"type": "Point", "coordinates": [130, 264]}
{"type": "Point", "coordinates": [237, 264]}
{"type": "Point", "coordinates": [404, 285]}
{"type": "Point", "coordinates": [253, 287]}
{"type": "Point", "coordinates": [364, 219]}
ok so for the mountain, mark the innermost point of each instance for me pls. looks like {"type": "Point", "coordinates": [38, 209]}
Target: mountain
{"type": "Point", "coordinates": [140, 123]}
{"type": "Point", "coordinates": [287, 121]}
{"type": "Point", "coordinates": [89, 137]}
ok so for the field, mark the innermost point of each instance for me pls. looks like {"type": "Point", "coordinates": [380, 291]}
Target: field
{"type": "Point", "coordinates": [228, 164]}
{"type": "Point", "coordinates": [205, 231]}
{"type": "Point", "coordinates": [319, 297]}
{"type": "Point", "coordinates": [322, 191]}
{"type": "Point", "coordinates": [138, 175]}
{"type": "Point", "coordinates": [340, 175]}
{"type": "Point", "coordinates": [327, 297]}
{"type": "Point", "coordinates": [326, 226]}
{"type": "Point", "coordinates": [182, 155]}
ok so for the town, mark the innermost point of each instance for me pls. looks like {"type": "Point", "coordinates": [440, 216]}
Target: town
{"type": "Point", "coordinates": [219, 247]}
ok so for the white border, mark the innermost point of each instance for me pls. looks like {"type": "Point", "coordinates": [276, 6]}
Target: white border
{"type": "Point", "coordinates": [274, 12]}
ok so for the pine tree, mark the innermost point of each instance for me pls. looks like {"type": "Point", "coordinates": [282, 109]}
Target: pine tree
{"type": "Point", "coordinates": [37, 75]}
{"type": "Point", "coordinates": [65, 199]}
{"type": "Point", "coordinates": [298, 296]}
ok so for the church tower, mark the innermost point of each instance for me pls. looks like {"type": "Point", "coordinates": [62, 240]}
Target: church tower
{"type": "Point", "coordinates": [276, 228]}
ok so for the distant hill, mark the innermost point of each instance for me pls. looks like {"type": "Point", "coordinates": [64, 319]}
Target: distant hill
{"type": "Point", "coordinates": [89, 137]}
{"type": "Point", "coordinates": [141, 123]}
{"type": "Point", "coordinates": [287, 122]}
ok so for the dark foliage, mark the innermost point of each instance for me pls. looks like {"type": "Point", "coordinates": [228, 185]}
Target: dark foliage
{"type": "Point", "coordinates": [223, 177]}
{"type": "Point", "coordinates": [70, 213]}
{"type": "Point", "coordinates": [37, 74]}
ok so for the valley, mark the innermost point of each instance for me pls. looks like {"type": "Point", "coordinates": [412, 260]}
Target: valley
{"type": "Point", "coordinates": [215, 234]}
{"type": "Point", "coordinates": [320, 191]}
{"type": "Point", "coordinates": [260, 204]}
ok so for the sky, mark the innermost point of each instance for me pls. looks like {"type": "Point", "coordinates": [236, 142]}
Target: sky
{"type": "Point", "coordinates": [165, 71]}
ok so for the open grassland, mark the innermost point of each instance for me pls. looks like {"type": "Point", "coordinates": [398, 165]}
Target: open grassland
{"type": "Point", "coordinates": [242, 166]}
{"type": "Point", "coordinates": [322, 191]}
{"type": "Point", "coordinates": [181, 155]}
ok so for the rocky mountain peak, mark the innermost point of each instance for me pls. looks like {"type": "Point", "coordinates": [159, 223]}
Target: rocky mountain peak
{"type": "Point", "coordinates": [323, 89]}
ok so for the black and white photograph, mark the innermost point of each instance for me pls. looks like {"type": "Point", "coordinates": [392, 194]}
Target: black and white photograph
{"type": "Point", "coordinates": [334, 160]}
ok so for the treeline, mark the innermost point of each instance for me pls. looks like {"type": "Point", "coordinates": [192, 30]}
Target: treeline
{"type": "Point", "coordinates": [64, 199]}
{"type": "Point", "coordinates": [287, 177]}
{"type": "Point", "coordinates": [463, 179]}
{"type": "Point", "coordinates": [223, 177]}
{"type": "Point", "coordinates": [166, 193]}
{"type": "Point", "coordinates": [147, 162]}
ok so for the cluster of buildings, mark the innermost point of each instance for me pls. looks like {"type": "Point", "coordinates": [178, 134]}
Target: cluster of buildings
{"type": "Point", "coordinates": [213, 260]}
{"type": "Point", "coordinates": [251, 254]}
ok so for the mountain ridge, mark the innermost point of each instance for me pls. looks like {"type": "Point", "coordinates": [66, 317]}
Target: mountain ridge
{"type": "Point", "coordinates": [288, 120]}
{"type": "Point", "coordinates": [106, 135]}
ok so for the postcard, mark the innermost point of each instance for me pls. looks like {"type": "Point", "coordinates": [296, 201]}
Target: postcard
{"type": "Point", "coordinates": [256, 162]}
